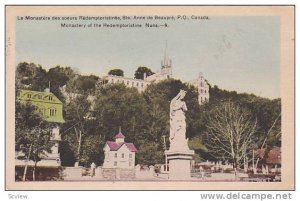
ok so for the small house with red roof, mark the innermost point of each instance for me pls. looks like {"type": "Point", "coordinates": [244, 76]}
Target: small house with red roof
{"type": "Point", "coordinates": [118, 153]}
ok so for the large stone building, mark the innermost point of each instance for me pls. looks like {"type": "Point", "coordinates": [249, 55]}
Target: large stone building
{"type": "Point", "coordinates": [51, 108]}
{"type": "Point", "coordinates": [165, 73]}
{"type": "Point", "coordinates": [119, 154]}
{"type": "Point", "coordinates": [203, 89]}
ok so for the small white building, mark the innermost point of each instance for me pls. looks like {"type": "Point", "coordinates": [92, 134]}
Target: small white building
{"type": "Point", "coordinates": [119, 154]}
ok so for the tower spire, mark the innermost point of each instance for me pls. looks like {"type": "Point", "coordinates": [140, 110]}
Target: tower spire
{"type": "Point", "coordinates": [166, 63]}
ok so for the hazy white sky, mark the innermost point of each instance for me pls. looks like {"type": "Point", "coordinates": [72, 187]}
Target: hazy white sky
{"type": "Point", "coordinates": [235, 53]}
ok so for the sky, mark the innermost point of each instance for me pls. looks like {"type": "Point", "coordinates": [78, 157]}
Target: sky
{"type": "Point", "coordinates": [240, 53]}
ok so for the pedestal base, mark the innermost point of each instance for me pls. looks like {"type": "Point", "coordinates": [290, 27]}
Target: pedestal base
{"type": "Point", "coordinates": [179, 164]}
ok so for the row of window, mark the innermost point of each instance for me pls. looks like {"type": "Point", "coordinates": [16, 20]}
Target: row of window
{"type": "Point", "coordinates": [50, 98]}
{"type": "Point", "coordinates": [116, 163]}
{"type": "Point", "coordinates": [52, 111]}
{"type": "Point", "coordinates": [123, 155]}
{"type": "Point", "coordinates": [202, 99]}
{"type": "Point", "coordinates": [137, 84]}
{"type": "Point", "coordinates": [201, 91]}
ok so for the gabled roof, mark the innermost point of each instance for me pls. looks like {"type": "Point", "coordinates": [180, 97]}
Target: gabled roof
{"type": "Point", "coordinates": [131, 147]}
{"type": "Point", "coordinates": [272, 156]}
{"type": "Point", "coordinates": [35, 94]}
{"type": "Point", "coordinates": [114, 146]}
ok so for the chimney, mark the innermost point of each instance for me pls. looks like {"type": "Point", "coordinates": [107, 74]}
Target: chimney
{"type": "Point", "coordinates": [145, 75]}
{"type": "Point", "coordinates": [47, 90]}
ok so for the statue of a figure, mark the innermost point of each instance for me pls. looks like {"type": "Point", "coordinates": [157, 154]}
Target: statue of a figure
{"type": "Point", "coordinates": [178, 108]}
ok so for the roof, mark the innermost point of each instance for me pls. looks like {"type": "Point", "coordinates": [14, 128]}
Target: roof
{"type": "Point", "coordinates": [38, 96]}
{"type": "Point", "coordinates": [120, 135]}
{"type": "Point", "coordinates": [272, 156]}
{"type": "Point", "coordinates": [114, 146]}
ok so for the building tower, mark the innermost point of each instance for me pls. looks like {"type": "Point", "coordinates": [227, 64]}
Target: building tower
{"type": "Point", "coordinates": [203, 90]}
{"type": "Point", "coordinates": [166, 64]}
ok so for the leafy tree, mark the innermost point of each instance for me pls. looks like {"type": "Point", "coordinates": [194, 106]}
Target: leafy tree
{"type": "Point", "coordinates": [76, 128]}
{"type": "Point", "coordinates": [150, 153]}
{"type": "Point", "coordinates": [32, 135]}
{"type": "Point", "coordinates": [139, 73]}
{"type": "Point", "coordinates": [82, 84]}
{"type": "Point", "coordinates": [30, 76]}
{"type": "Point", "coordinates": [117, 72]}
{"type": "Point", "coordinates": [113, 111]}
{"type": "Point", "coordinates": [58, 77]}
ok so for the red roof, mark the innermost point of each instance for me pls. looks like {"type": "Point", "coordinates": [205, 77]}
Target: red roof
{"type": "Point", "coordinates": [120, 135]}
{"type": "Point", "coordinates": [272, 157]}
{"type": "Point", "coordinates": [131, 147]}
{"type": "Point", "coordinates": [114, 146]}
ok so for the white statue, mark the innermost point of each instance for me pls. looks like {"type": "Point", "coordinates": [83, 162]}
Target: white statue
{"type": "Point", "coordinates": [178, 108]}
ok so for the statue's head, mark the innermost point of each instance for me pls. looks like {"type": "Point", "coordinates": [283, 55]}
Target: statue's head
{"type": "Point", "coordinates": [182, 93]}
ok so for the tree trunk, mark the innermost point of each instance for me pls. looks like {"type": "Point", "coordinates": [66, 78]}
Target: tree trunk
{"type": "Point", "coordinates": [34, 169]}
{"type": "Point", "coordinates": [33, 172]}
{"type": "Point", "coordinates": [26, 164]}
{"type": "Point", "coordinates": [79, 136]}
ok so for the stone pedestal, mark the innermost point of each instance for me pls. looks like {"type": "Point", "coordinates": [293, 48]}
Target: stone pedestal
{"type": "Point", "coordinates": [179, 164]}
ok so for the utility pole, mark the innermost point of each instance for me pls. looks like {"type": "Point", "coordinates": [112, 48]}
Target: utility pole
{"type": "Point", "coordinates": [165, 148]}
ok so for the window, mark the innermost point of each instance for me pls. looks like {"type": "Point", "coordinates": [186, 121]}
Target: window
{"type": "Point", "coordinates": [142, 85]}
{"type": "Point", "coordinates": [116, 155]}
{"type": "Point", "coordinates": [50, 98]}
{"type": "Point", "coordinates": [127, 82]}
{"type": "Point", "coordinates": [52, 112]}
{"type": "Point", "coordinates": [115, 163]}
{"type": "Point", "coordinates": [40, 96]}
{"type": "Point", "coordinates": [41, 110]}
{"type": "Point", "coordinates": [123, 155]}
{"type": "Point", "coordinates": [130, 155]}
{"type": "Point", "coordinates": [28, 95]}
{"type": "Point", "coordinates": [137, 84]}
{"type": "Point", "coordinates": [112, 80]}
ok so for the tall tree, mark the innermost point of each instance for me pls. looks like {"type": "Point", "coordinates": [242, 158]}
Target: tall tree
{"type": "Point", "coordinates": [76, 127]}
{"type": "Point", "coordinates": [117, 72]}
{"type": "Point", "coordinates": [230, 130]}
{"type": "Point", "coordinates": [140, 71]}
{"type": "Point", "coordinates": [32, 135]}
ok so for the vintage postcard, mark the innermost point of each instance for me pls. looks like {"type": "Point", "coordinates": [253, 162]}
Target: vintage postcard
{"type": "Point", "coordinates": [150, 98]}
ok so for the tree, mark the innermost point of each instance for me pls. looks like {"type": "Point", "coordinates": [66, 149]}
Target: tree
{"type": "Point", "coordinates": [30, 76]}
{"type": "Point", "coordinates": [32, 135]}
{"type": "Point", "coordinates": [113, 111]}
{"type": "Point", "coordinates": [58, 77]}
{"type": "Point", "coordinates": [230, 130]}
{"type": "Point", "coordinates": [139, 73]}
{"type": "Point", "coordinates": [76, 127]}
{"type": "Point", "coordinates": [117, 72]}
{"type": "Point", "coordinates": [82, 84]}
